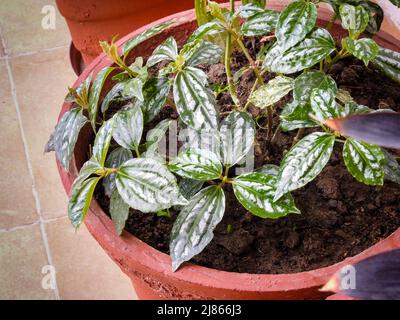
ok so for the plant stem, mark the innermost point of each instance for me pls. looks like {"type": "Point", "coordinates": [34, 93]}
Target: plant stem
{"type": "Point", "coordinates": [298, 136]}
{"type": "Point", "coordinates": [251, 92]}
{"type": "Point", "coordinates": [340, 55]}
{"type": "Point", "coordinates": [232, 90]}
{"type": "Point", "coordinates": [137, 151]}
{"type": "Point", "coordinates": [171, 102]}
{"type": "Point", "coordinates": [226, 171]}
{"type": "Point", "coordinates": [270, 114]}
{"type": "Point", "coordinates": [275, 133]}
{"type": "Point", "coordinates": [232, 5]}
{"type": "Point", "coordinates": [250, 59]}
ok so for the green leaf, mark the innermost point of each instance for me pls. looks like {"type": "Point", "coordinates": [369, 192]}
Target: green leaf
{"type": "Point", "coordinates": [147, 185]}
{"type": "Point", "coordinates": [201, 52]}
{"type": "Point", "coordinates": [155, 135]}
{"type": "Point", "coordinates": [117, 157]}
{"type": "Point", "coordinates": [102, 141]}
{"type": "Point", "coordinates": [201, 11]}
{"type": "Point", "coordinates": [194, 226]}
{"type": "Point", "coordinates": [194, 102]}
{"type": "Point", "coordinates": [364, 161]}
{"type": "Point", "coordinates": [95, 92]}
{"type": "Point", "coordinates": [314, 48]}
{"type": "Point", "coordinates": [391, 167]}
{"type": "Point", "coordinates": [294, 23]}
{"type": "Point", "coordinates": [237, 132]}
{"type": "Point", "coordinates": [256, 191]}
{"type": "Point", "coordinates": [155, 93]}
{"type": "Point", "coordinates": [65, 135]}
{"type": "Point", "coordinates": [354, 108]}
{"type": "Point", "coordinates": [295, 115]}
{"type": "Point", "coordinates": [189, 187]}
{"type": "Point", "coordinates": [203, 139]}
{"type": "Point", "coordinates": [128, 127]}
{"type": "Point", "coordinates": [270, 93]}
{"type": "Point", "coordinates": [308, 81]}
{"type": "Point", "coordinates": [119, 211]}
{"type": "Point", "coordinates": [304, 161]}
{"type": "Point", "coordinates": [376, 15]}
{"type": "Point", "coordinates": [396, 3]}
{"type": "Point", "coordinates": [260, 24]}
{"type": "Point", "coordinates": [133, 88]}
{"type": "Point", "coordinates": [269, 169]}
{"type": "Point", "coordinates": [79, 202]}
{"type": "Point", "coordinates": [197, 164]}
{"type": "Point", "coordinates": [133, 42]}
{"type": "Point", "coordinates": [248, 10]}
{"type": "Point", "coordinates": [364, 49]}
{"type": "Point", "coordinates": [344, 96]}
{"type": "Point", "coordinates": [114, 95]}
{"type": "Point", "coordinates": [323, 104]}
{"type": "Point", "coordinates": [354, 18]}
{"type": "Point", "coordinates": [208, 29]}
{"type": "Point", "coordinates": [168, 51]}
{"type": "Point", "coordinates": [388, 61]}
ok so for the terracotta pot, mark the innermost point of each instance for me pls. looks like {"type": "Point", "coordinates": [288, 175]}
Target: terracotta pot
{"type": "Point", "coordinates": [149, 269]}
{"type": "Point", "coordinates": [90, 21]}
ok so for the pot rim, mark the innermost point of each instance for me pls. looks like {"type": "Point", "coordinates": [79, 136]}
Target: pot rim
{"type": "Point", "coordinates": [134, 255]}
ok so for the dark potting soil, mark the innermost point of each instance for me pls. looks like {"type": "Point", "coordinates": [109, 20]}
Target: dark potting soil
{"type": "Point", "coordinates": [340, 217]}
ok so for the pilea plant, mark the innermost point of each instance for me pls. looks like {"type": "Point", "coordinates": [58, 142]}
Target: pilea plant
{"type": "Point", "coordinates": [295, 52]}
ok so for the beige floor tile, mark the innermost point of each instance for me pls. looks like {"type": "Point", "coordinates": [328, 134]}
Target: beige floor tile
{"type": "Point", "coordinates": [41, 82]}
{"type": "Point", "coordinates": [84, 271]}
{"type": "Point", "coordinates": [21, 24]}
{"type": "Point", "coordinates": [22, 258]}
{"type": "Point", "coordinates": [17, 205]}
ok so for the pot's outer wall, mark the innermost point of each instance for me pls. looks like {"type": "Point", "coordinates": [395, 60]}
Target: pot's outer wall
{"type": "Point", "coordinates": [90, 21]}
{"type": "Point", "coordinates": [149, 269]}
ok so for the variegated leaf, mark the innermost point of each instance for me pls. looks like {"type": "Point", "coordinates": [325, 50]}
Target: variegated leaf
{"type": "Point", "coordinates": [197, 164]}
{"type": "Point", "coordinates": [270, 93]}
{"type": "Point", "coordinates": [95, 92]}
{"type": "Point", "coordinates": [295, 115]}
{"type": "Point", "coordinates": [155, 93]}
{"type": "Point", "coordinates": [391, 167]}
{"type": "Point", "coordinates": [323, 104]}
{"type": "Point", "coordinates": [168, 51]}
{"type": "Point", "coordinates": [315, 47]}
{"type": "Point", "coordinates": [194, 226]}
{"type": "Point", "coordinates": [148, 185]}
{"type": "Point", "coordinates": [201, 52]}
{"type": "Point", "coordinates": [249, 10]}
{"type": "Point", "coordinates": [308, 81]}
{"type": "Point", "coordinates": [260, 24]}
{"type": "Point", "coordinates": [237, 132]}
{"type": "Point", "coordinates": [256, 191]}
{"type": "Point", "coordinates": [114, 95]}
{"type": "Point", "coordinates": [117, 157]}
{"type": "Point", "coordinates": [304, 161]}
{"type": "Point", "coordinates": [133, 88]}
{"type": "Point", "coordinates": [354, 18]}
{"type": "Point", "coordinates": [195, 104]}
{"type": "Point", "coordinates": [388, 61]}
{"type": "Point", "coordinates": [294, 23]}
{"type": "Point", "coordinates": [119, 211]}
{"type": "Point", "coordinates": [364, 161]}
{"type": "Point", "coordinates": [155, 135]}
{"type": "Point", "coordinates": [65, 135]}
{"type": "Point", "coordinates": [133, 42]}
{"type": "Point", "coordinates": [364, 49]}
{"type": "Point", "coordinates": [207, 29]}
{"type": "Point", "coordinates": [102, 141]}
{"type": "Point", "coordinates": [80, 199]}
{"type": "Point", "coordinates": [269, 169]}
{"type": "Point", "coordinates": [202, 139]}
{"type": "Point", "coordinates": [129, 127]}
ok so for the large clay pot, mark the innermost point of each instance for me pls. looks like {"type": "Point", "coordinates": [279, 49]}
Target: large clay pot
{"type": "Point", "coordinates": [90, 21]}
{"type": "Point", "coordinates": [149, 269]}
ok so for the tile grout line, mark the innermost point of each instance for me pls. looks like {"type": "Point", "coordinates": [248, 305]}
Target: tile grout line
{"type": "Point", "coordinates": [28, 160]}
{"type": "Point", "coordinates": [22, 226]}
{"type": "Point", "coordinates": [28, 53]}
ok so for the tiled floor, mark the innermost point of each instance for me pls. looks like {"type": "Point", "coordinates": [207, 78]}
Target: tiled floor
{"type": "Point", "coordinates": [34, 231]}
